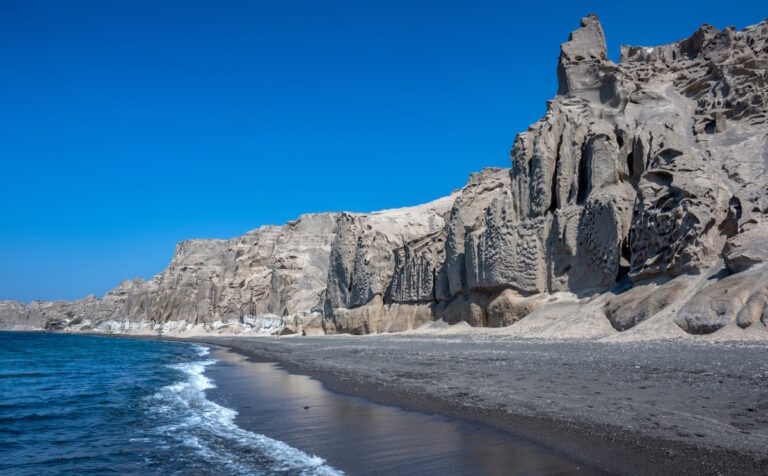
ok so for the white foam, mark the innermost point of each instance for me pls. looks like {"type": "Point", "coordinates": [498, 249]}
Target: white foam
{"type": "Point", "coordinates": [202, 351]}
{"type": "Point", "coordinates": [209, 430]}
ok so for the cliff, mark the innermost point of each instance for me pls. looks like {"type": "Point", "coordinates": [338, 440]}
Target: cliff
{"type": "Point", "coordinates": [639, 173]}
{"type": "Point", "coordinates": [636, 203]}
{"type": "Point", "coordinates": [210, 285]}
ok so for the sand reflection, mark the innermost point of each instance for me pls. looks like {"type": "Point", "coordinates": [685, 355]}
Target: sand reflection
{"type": "Point", "coordinates": [361, 437]}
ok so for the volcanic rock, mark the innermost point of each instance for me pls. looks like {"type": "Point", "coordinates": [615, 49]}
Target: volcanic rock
{"type": "Point", "coordinates": [641, 171]}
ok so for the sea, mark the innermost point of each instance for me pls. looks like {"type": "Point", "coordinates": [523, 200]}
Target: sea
{"type": "Point", "coordinates": [76, 404]}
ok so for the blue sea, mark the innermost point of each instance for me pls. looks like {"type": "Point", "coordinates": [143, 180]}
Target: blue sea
{"type": "Point", "coordinates": [72, 404]}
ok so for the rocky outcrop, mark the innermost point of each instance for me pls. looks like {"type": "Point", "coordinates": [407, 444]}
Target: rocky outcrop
{"type": "Point", "coordinates": [210, 285]}
{"type": "Point", "coordinates": [16, 316]}
{"type": "Point", "coordinates": [746, 249]}
{"type": "Point", "coordinates": [382, 258]}
{"type": "Point", "coordinates": [509, 307]}
{"type": "Point", "coordinates": [630, 308]}
{"type": "Point", "coordinates": [640, 172]}
{"type": "Point", "coordinates": [740, 298]}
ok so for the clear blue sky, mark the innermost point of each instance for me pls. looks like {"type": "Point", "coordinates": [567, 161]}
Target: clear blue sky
{"type": "Point", "coordinates": [126, 126]}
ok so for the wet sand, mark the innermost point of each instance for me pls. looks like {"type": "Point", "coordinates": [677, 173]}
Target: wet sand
{"type": "Point", "coordinates": [658, 407]}
{"type": "Point", "coordinates": [365, 438]}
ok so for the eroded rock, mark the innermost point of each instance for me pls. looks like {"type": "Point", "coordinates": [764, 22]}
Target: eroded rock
{"type": "Point", "coordinates": [746, 249]}
{"type": "Point", "coordinates": [632, 307]}
{"type": "Point", "coordinates": [639, 172]}
{"type": "Point", "coordinates": [509, 307]}
{"type": "Point", "coordinates": [738, 297]}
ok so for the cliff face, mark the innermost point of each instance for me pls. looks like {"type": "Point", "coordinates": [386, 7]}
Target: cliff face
{"type": "Point", "coordinates": [385, 258]}
{"type": "Point", "coordinates": [210, 285]}
{"type": "Point", "coordinates": [639, 196]}
{"type": "Point", "coordinates": [639, 172]}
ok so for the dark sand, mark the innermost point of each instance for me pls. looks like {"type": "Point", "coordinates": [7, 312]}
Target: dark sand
{"type": "Point", "coordinates": [665, 407]}
{"type": "Point", "coordinates": [361, 437]}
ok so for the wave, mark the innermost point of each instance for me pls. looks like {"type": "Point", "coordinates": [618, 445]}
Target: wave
{"type": "Point", "coordinates": [201, 350]}
{"type": "Point", "coordinates": [209, 431]}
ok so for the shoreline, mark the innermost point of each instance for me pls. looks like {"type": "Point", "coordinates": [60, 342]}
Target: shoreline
{"type": "Point", "coordinates": [460, 377]}
{"type": "Point", "coordinates": [601, 447]}
{"type": "Point", "coordinates": [358, 436]}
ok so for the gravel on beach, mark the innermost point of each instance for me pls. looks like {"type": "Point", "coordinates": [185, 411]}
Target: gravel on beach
{"type": "Point", "coordinates": [627, 408]}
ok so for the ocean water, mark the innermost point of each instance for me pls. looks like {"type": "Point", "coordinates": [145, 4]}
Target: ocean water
{"type": "Point", "coordinates": [72, 404]}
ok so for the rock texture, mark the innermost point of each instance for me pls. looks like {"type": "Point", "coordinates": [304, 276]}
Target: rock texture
{"type": "Point", "coordinates": [385, 258]}
{"type": "Point", "coordinates": [232, 286]}
{"type": "Point", "coordinates": [639, 172]}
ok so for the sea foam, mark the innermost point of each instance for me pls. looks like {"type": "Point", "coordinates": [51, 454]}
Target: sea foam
{"type": "Point", "coordinates": [209, 429]}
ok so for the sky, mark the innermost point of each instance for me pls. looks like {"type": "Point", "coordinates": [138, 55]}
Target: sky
{"type": "Point", "coordinates": [127, 126]}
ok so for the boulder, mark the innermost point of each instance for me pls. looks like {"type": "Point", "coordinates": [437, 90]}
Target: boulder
{"type": "Point", "coordinates": [737, 297]}
{"type": "Point", "coordinates": [509, 307]}
{"type": "Point", "coordinates": [630, 308]}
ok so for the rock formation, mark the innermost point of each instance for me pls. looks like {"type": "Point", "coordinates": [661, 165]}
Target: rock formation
{"type": "Point", "coordinates": [210, 285]}
{"type": "Point", "coordinates": [382, 258]}
{"type": "Point", "coordinates": [642, 191]}
{"type": "Point", "coordinates": [639, 171]}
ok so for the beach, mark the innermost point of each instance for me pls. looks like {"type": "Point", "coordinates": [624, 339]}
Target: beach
{"type": "Point", "coordinates": [361, 437]}
{"type": "Point", "coordinates": [660, 407]}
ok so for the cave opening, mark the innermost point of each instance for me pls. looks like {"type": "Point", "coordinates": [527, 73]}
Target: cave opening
{"type": "Point", "coordinates": [553, 192]}
{"type": "Point", "coordinates": [625, 262]}
{"type": "Point", "coordinates": [554, 183]}
{"type": "Point", "coordinates": [631, 164]}
{"type": "Point", "coordinates": [583, 179]}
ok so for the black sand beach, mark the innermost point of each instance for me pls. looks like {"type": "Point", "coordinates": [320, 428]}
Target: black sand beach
{"type": "Point", "coordinates": [659, 407]}
{"type": "Point", "coordinates": [366, 438]}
